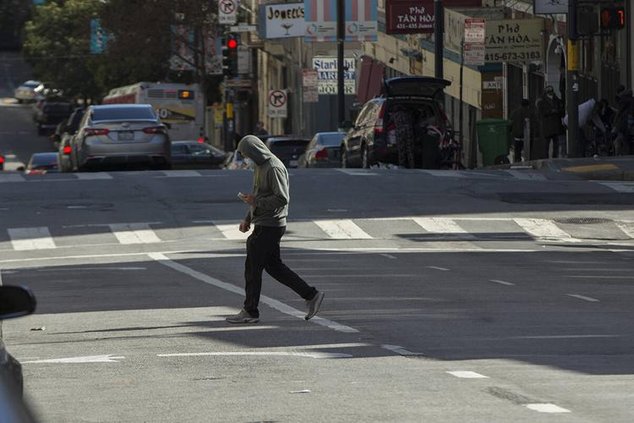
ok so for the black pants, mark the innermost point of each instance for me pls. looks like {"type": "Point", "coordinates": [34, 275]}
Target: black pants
{"type": "Point", "coordinates": [263, 253]}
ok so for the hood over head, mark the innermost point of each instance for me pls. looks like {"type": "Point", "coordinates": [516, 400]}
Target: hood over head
{"type": "Point", "coordinates": [254, 148]}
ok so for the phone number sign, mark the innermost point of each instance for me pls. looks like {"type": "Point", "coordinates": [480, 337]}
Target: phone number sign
{"type": "Point", "coordinates": [514, 40]}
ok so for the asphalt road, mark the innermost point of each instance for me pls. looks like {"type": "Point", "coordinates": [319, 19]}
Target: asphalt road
{"type": "Point", "coordinates": [480, 296]}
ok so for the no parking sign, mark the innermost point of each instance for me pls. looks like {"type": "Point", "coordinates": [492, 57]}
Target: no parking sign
{"type": "Point", "coordinates": [278, 101]}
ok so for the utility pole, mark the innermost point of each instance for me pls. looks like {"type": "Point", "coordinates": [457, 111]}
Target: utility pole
{"type": "Point", "coordinates": [439, 29]}
{"type": "Point", "coordinates": [341, 35]}
{"type": "Point", "coordinates": [572, 82]}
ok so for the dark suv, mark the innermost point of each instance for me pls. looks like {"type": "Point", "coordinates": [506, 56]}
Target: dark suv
{"type": "Point", "coordinates": [372, 139]}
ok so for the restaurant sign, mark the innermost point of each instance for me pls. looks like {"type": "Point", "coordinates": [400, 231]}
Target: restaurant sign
{"type": "Point", "coordinates": [514, 40]}
{"type": "Point", "coordinates": [408, 17]}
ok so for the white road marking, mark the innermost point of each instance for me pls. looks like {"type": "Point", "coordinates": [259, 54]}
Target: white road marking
{"type": "Point", "coordinates": [134, 233]}
{"type": "Point", "coordinates": [546, 408]}
{"type": "Point", "coordinates": [627, 228]}
{"type": "Point", "coordinates": [74, 360]}
{"type": "Point", "coordinates": [562, 336]}
{"type": "Point", "coordinates": [79, 268]}
{"type": "Point", "coordinates": [445, 173]}
{"type": "Point", "coordinates": [181, 174]}
{"type": "Point", "coordinates": [366, 275]}
{"type": "Point", "coordinates": [357, 172]}
{"type": "Point", "coordinates": [275, 304]}
{"type": "Point", "coordinates": [441, 225]}
{"type": "Point", "coordinates": [231, 231]}
{"type": "Point", "coordinates": [444, 269]}
{"type": "Point", "coordinates": [38, 238]}
{"type": "Point", "coordinates": [400, 350]}
{"type": "Point", "coordinates": [261, 353]}
{"type": "Point", "coordinates": [465, 374]}
{"type": "Point", "coordinates": [625, 186]}
{"type": "Point", "coordinates": [583, 297]}
{"type": "Point", "coordinates": [342, 229]}
{"type": "Point", "coordinates": [598, 277]}
{"type": "Point", "coordinates": [543, 228]}
{"type": "Point", "coordinates": [501, 282]}
{"type": "Point", "coordinates": [390, 256]}
{"type": "Point", "coordinates": [90, 176]}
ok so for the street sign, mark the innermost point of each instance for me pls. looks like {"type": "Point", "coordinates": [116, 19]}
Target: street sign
{"type": "Point", "coordinates": [474, 54]}
{"type": "Point", "coordinates": [310, 95]}
{"type": "Point", "coordinates": [474, 30]}
{"type": "Point", "coordinates": [227, 12]}
{"type": "Point", "coordinates": [309, 78]}
{"type": "Point", "coordinates": [243, 27]}
{"type": "Point", "coordinates": [277, 103]}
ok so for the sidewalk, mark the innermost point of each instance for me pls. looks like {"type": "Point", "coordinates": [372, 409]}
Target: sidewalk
{"type": "Point", "coordinates": [601, 168]}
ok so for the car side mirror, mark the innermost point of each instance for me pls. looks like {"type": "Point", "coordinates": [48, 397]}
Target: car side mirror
{"type": "Point", "coordinates": [16, 301]}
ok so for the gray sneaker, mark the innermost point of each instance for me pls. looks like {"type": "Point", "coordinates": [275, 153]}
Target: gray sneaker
{"type": "Point", "coordinates": [314, 304]}
{"type": "Point", "coordinates": [243, 317]}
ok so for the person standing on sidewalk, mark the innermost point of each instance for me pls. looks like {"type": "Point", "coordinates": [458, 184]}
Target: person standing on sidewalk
{"type": "Point", "coordinates": [623, 126]}
{"type": "Point", "coordinates": [550, 110]}
{"type": "Point", "coordinates": [518, 121]}
{"type": "Point", "coordinates": [268, 209]}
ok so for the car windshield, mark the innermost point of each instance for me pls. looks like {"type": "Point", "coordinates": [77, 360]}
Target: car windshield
{"type": "Point", "coordinates": [30, 84]}
{"type": "Point", "coordinates": [44, 161]}
{"type": "Point", "coordinates": [123, 113]}
{"type": "Point", "coordinates": [286, 146]}
{"type": "Point", "coordinates": [331, 140]}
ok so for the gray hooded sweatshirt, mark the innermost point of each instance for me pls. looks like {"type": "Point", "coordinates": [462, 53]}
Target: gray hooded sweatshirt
{"type": "Point", "coordinates": [270, 184]}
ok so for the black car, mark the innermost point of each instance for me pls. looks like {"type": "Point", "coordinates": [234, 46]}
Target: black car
{"type": "Point", "coordinates": [14, 302]}
{"type": "Point", "coordinates": [51, 112]}
{"type": "Point", "coordinates": [197, 155]}
{"type": "Point", "coordinates": [372, 139]}
{"type": "Point", "coordinates": [287, 148]}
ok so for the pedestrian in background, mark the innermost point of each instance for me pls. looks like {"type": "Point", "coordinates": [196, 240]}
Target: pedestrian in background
{"type": "Point", "coordinates": [550, 110]}
{"type": "Point", "coordinates": [518, 129]}
{"type": "Point", "coordinates": [259, 129]}
{"type": "Point", "coordinates": [403, 120]}
{"type": "Point", "coordinates": [268, 209]}
{"type": "Point", "coordinates": [623, 126]}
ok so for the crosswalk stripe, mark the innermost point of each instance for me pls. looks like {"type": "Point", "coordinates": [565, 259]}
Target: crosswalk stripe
{"type": "Point", "coordinates": [543, 228]}
{"type": "Point", "coordinates": [181, 173]}
{"type": "Point", "coordinates": [134, 233]}
{"type": "Point", "coordinates": [342, 229]}
{"type": "Point", "coordinates": [38, 238]}
{"type": "Point", "coordinates": [93, 176]}
{"type": "Point", "coordinates": [356, 172]}
{"type": "Point", "coordinates": [625, 186]}
{"type": "Point", "coordinates": [231, 231]}
{"type": "Point", "coordinates": [627, 228]}
{"type": "Point", "coordinates": [440, 225]}
{"type": "Point", "coordinates": [518, 174]}
{"type": "Point", "coordinates": [11, 177]}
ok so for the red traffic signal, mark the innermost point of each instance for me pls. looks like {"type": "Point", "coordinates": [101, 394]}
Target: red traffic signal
{"type": "Point", "coordinates": [613, 17]}
{"type": "Point", "coordinates": [232, 43]}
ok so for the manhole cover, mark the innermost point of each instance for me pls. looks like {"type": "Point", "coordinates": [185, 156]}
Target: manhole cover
{"type": "Point", "coordinates": [583, 220]}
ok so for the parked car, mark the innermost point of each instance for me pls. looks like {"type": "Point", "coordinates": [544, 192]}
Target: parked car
{"type": "Point", "coordinates": [287, 148]}
{"type": "Point", "coordinates": [372, 138]}
{"type": "Point", "coordinates": [50, 112]}
{"type": "Point", "coordinates": [15, 302]}
{"type": "Point", "coordinates": [41, 163]}
{"type": "Point", "coordinates": [26, 91]}
{"type": "Point", "coordinates": [235, 160]}
{"type": "Point", "coordinates": [2, 160]}
{"type": "Point", "coordinates": [67, 130]}
{"type": "Point", "coordinates": [323, 150]}
{"type": "Point", "coordinates": [192, 154]}
{"type": "Point", "coordinates": [116, 135]}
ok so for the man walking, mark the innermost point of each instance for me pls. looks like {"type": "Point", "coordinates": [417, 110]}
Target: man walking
{"type": "Point", "coordinates": [518, 121]}
{"type": "Point", "coordinates": [551, 110]}
{"type": "Point", "coordinates": [267, 213]}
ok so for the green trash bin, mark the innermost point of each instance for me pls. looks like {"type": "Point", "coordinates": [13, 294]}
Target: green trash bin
{"type": "Point", "coordinates": [494, 140]}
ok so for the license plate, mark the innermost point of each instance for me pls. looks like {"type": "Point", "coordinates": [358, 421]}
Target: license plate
{"type": "Point", "coordinates": [125, 135]}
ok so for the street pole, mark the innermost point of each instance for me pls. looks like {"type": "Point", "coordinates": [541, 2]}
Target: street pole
{"type": "Point", "coordinates": [340, 40]}
{"type": "Point", "coordinates": [439, 24]}
{"type": "Point", "coordinates": [572, 82]}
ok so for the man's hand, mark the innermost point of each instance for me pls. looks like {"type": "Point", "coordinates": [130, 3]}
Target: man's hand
{"type": "Point", "coordinates": [244, 226]}
{"type": "Point", "coordinates": [249, 199]}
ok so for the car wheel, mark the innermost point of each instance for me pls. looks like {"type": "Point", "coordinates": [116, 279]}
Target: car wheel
{"type": "Point", "coordinates": [344, 158]}
{"type": "Point", "coordinates": [365, 159]}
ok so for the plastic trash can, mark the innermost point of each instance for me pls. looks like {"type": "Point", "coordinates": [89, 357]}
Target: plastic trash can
{"type": "Point", "coordinates": [494, 140]}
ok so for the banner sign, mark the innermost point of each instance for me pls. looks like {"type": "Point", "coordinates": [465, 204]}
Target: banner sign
{"type": "Point", "coordinates": [182, 58]}
{"type": "Point", "coordinates": [360, 20]}
{"type": "Point", "coordinates": [281, 21]}
{"type": "Point", "coordinates": [514, 40]}
{"type": "Point", "coordinates": [409, 17]}
{"type": "Point", "coordinates": [326, 68]}
{"type": "Point", "coordinates": [98, 37]}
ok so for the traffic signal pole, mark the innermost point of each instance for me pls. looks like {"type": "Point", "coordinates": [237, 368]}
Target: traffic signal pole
{"type": "Point", "coordinates": [572, 82]}
{"type": "Point", "coordinates": [340, 47]}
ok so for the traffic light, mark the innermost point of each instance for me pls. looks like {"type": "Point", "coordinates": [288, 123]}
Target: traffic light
{"type": "Point", "coordinates": [613, 17]}
{"type": "Point", "coordinates": [230, 55]}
